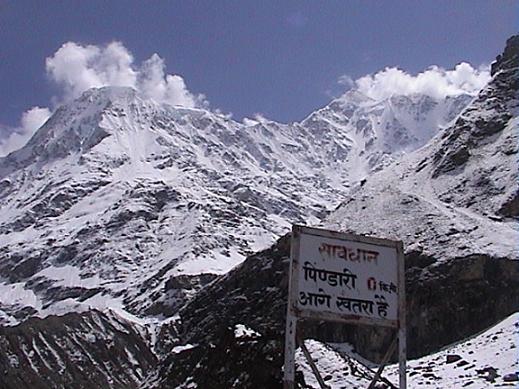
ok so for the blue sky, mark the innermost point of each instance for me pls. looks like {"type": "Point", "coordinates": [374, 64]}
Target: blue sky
{"type": "Point", "coordinates": [282, 59]}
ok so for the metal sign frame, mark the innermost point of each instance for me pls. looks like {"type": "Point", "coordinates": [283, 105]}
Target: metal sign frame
{"type": "Point", "coordinates": [294, 313]}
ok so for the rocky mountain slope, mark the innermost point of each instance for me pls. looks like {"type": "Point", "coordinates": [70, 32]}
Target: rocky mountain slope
{"type": "Point", "coordinates": [453, 202]}
{"type": "Point", "coordinates": [88, 350]}
{"type": "Point", "coordinates": [120, 202]}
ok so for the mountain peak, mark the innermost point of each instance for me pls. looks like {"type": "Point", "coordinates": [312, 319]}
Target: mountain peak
{"type": "Point", "coordinates": [108, 93]}
{"type": "Point", "coordinates": [115, 164]}
{"type": "Point", "coordinates": [510, 57]}
{"type": "Point", "coordinates": [72, 127]}
{"type": "Point", "coordinates": [465, 179]}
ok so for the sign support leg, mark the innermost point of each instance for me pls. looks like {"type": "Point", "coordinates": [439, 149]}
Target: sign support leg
{"type": "Point", "coordinates": [383, 363]}
{"type": "Point", "coordinates": [402, 357]}
{"type": "Point", "coordinates": [402, 326]}
{"type": "Point", "coordinates": [314, 368]}
{"type": "Point", "coordinates": [290, 351]}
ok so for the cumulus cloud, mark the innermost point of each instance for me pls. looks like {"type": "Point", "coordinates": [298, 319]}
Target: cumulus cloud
{"type": "Point", "coordinates": [77, 68]}
{"type": "Point", "coordinates": [31, 120]}
{"type": "Point", "coordinates": [153, 82]}
{"type": "Point", "coordinates": [346, 80]}
{"type": "Point", "coordinates": [435, 82]}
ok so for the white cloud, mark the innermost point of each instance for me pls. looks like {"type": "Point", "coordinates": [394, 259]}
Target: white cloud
{"type": "Point", "coordinates": [31, 120]}
{"type": "Point", "coordinates": [77, 68]}
{"type": "Point", "coordinates": [34, 119]}
{"type": "Point", "coordinates": [435, 82]}
{"type": "Point", "coordinates": [154, 83]}
{"type": "Point", "coordinates": [346, 80]}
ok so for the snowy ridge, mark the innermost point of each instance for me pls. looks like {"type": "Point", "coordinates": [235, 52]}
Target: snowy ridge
{"type": "Point", "coordinates": [381, 131]}
{"type": "Point", "coordinates": [117, 196]}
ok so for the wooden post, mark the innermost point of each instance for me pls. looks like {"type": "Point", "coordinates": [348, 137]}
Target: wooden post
{"type": "Point", "coordinates": [381, 378]}
{"type": "Point", "coordinates": [402, 358]}
{"type": "Point", "coordinates": [314, 368]}
{"type": "Point", "coordinates": [402, 326]}
{"type": "Point", "coordinates": [386, 357]}
{"type": "Point", "coordinates": [291, 326]}
{"type": "Point", "coordinates": [290, 351]}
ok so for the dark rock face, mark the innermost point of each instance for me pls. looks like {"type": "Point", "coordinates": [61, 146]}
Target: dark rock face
{"type": "Point", "coordinates": [254, 295]}
{"type": "Point", "coordinates": [455, 151]}
{"type": "Point", "coordinates": [509, 58]}
{"type": "Point", "coordinates": [499, 98]}
{"type": "Point", "coordinates": [510, 208]}
{"type": "Point", "coordinates": [177, 291]}
{"type": "Point", "coordinates": [458, 298]}
{"type": "Point", "coordinates": [89, 350]}
{"type": "Point", "coordinates": [446, 302]}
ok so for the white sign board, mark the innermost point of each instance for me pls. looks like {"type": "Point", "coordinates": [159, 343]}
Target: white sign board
{"type": "Point", "coordinates": [345, 277]}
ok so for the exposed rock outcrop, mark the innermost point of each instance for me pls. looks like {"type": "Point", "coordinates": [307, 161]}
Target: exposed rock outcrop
{"type": "Point", "coordinates": [77, 350]}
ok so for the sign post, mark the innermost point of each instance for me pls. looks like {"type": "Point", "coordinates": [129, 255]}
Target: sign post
{"type": "Point", "coordinates": [344, 278]}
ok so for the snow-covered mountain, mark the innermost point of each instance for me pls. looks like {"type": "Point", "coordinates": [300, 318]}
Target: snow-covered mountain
{"type": "Point", "coordinates": [454, 204]}
{"type": "Point", "coordinates": [121, 202]}
{"type": "Point", "coordinates": [381, 131]}
{"type": "Point", "coordinates": [124, 203]}
{"type": "Point", "coordinates": [456, 195]}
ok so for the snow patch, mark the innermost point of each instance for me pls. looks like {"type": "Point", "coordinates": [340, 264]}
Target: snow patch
{"type": "Point", "coordinates": [179, 349]}
{"type": "Point", "coordinates": [476, 363]}
{"type": "Point", "coordinates": [242, 331]}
